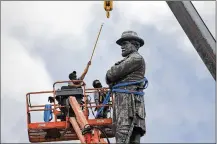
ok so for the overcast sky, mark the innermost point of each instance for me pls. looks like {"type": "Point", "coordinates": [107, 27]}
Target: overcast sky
{"type": "Point", "coordinates": [42, 42]}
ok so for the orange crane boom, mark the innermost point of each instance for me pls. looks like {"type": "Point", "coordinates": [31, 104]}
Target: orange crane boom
{"type": "Point", "coordinates": [77, 127]}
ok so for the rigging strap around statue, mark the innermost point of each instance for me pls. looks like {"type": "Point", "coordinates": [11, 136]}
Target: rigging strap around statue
{"type": "Point", "coordinates": [115, 89]}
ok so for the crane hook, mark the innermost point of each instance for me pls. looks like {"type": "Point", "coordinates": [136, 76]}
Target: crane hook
{"type": "Point", "coordinates": [108, 6]}
{"type": "Point", "coordinates": [107, 14]}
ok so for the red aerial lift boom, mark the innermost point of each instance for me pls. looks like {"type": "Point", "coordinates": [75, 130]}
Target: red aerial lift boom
{"type": "Point", "coordinates": [77, 127]}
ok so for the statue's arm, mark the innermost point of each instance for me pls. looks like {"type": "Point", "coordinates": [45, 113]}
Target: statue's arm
{"type": "Point", "coordinates": [124, 68]}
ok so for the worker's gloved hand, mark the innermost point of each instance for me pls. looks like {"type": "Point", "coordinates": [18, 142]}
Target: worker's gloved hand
{"type": "Point", "coordinates": [89, 63]}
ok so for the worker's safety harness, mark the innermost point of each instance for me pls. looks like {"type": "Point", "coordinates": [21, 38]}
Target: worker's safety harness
{"type": "Point", "coordinates": [116, 88]}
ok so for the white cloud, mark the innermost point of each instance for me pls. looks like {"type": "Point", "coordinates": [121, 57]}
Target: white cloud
{"type": "Point", "coordinates": [161, 17]}
{"type": "Point", "coordinates": [60, 17]}
{"type": "Point", "coordinates": [47, 18]}
{"type": "Point", "coordinates": [20, 74]}
{"type": "Point", "coordinates": [153, 13]}
{"type": "Point", "coordinates": [21, 71]}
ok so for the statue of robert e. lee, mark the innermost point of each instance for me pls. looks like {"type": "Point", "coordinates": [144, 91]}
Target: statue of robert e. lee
{"type": "Point", "coordinates": [131, 68]}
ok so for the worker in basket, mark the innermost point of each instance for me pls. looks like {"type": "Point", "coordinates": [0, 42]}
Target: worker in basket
{"type": "Point", "coordinates": [63, 101]}
{"type": "Point", "coordinates": [73, 76]}
{"type": "Point", "coordinates": [59, 113]}
{"type": "Point", "coordinates": [99, 96]}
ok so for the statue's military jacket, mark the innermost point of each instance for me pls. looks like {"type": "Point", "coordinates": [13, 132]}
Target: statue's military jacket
{"type": "Point", "coordinates": [131, 68]}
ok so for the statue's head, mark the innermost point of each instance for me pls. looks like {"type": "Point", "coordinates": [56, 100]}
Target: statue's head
{"type": "Point", "coordinates": [129, 42]}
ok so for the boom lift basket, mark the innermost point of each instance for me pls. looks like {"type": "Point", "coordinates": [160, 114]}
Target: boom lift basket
{"type": "Point", "coordinates": [62, 130]}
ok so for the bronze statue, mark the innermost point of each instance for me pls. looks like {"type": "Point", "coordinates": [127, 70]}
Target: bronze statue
{"type": "Point", "coordinates": [131, 68]}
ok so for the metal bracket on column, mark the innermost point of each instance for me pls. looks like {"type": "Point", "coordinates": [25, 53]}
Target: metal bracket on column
{"type": "Point", "coordinates": [196, 30]}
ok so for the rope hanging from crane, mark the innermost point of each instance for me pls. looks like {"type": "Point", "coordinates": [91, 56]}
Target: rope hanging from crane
{"type": "Point", "coordinates": [89, 63]}
{"type": "Point", "coordinates": [96, 42]}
